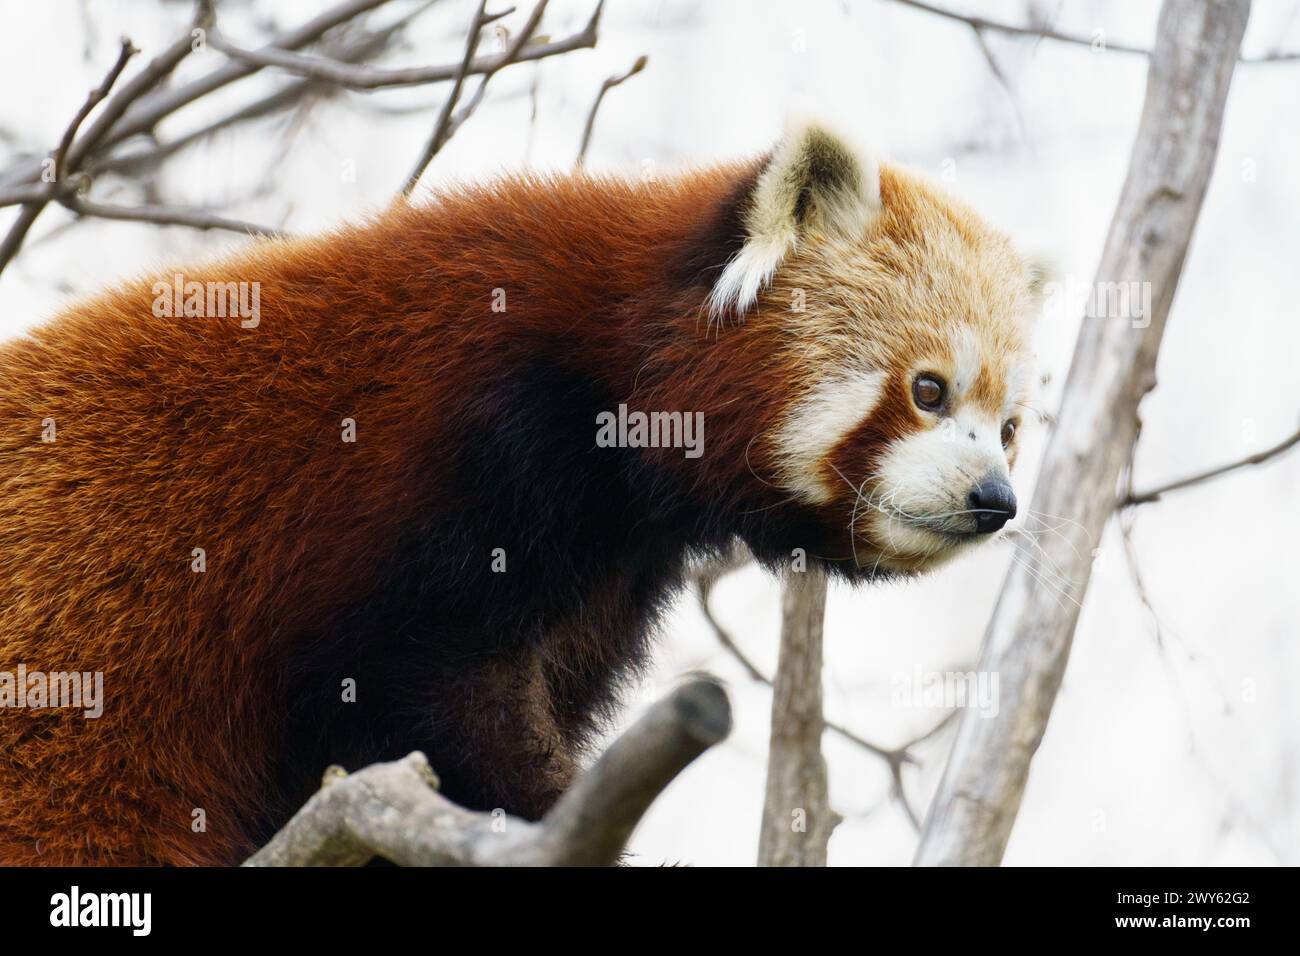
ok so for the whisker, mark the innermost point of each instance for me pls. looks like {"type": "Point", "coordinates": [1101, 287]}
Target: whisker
{"type": "Point", "coordinates": [1030, 571]}
{"type": "Point", "coordinates": [1055, 529]}
{"type": "Point", "coordinates": [1052, 567]}
{"type": "Point", "coordinates": [1054, 593]}
{"type": "Point", "coordinates": [1062, 518]}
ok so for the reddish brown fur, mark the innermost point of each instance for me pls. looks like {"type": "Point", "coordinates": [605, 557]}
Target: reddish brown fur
{"type": "Point", "coordinates": [183, 433]}
{"type": "Point", "coordinates": [193, 432]}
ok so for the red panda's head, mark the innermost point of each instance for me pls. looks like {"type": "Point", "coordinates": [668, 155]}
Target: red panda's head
{"type": "Point", "coordinates": [902, 321]}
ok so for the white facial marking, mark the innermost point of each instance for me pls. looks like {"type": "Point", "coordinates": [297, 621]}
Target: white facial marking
{"type": "Point", "coordinates": [926, 477]}
{"type": "Point", "coordinates": [1018, 379]}
{"type": "Point", "coordinates": [966, 358]}
{"type": "Point", "coordinates": [818, 422]}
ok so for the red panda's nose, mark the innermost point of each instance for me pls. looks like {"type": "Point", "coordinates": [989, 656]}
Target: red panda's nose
{"type": "Point", "coordinates": [994, 504]}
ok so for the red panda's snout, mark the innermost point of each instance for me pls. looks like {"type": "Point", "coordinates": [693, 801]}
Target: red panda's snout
{"type": "Point", "coordinates": [903, 323]}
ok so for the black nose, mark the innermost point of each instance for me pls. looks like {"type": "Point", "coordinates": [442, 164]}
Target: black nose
{"type": "Point", "coordinates": [994, 504]}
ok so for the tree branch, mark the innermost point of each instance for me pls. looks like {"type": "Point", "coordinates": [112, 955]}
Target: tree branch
{"type": "Point", "coordinates": [441, 129]}
{"type": "Point", "coordinates": [447, 124]}
{"type": "Point", "coordinates": [163, 216]}
{"type": "Point", "coordinates": [979, 24]}
{"type": "Point", "coordinates": [369, 78]}
{"type": "Point", "coordinates": [605, 87]}
{"type": "Point", "coordinates": [345, 51]}
{"type": "Point", "coordinates": [64, 164]}
{"type": "Point", "coordinates": [393, 810]}
{"type": "Point", "coordinates": [797, 817]}
{"type": "Point", "coordinates": [1258, 458]}
{"type": "Point", "coordinates": [895, 758]}
{"type": "Point", "coordinates": [1028, 638]}
{"type": "Point", "coordinates": [146, 109]}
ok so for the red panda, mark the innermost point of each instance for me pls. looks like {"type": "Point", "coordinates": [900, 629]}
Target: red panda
{"type": "Point", "coordinates": [378, 518]}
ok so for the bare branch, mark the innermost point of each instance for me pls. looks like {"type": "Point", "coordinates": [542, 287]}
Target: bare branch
{"type": "Point", "coordinates": [979, 24]}
{"type": "Point", "coordinates": [146, 108]}
{"type": "Point", "coordinates": [291, 94]}
{"type": "Point", "coordinates": [447, 124]}
{"type": "Point", "coordinates": [704, 583]}
{"type": "Point", "coordinates": [394, 811]}
{"type": "Point", "coordinates": [592, 822]}
{"type": "Point", "coordinates": [605, 87]}
{"type": "Point", "coordinates": [895, 757]}
{"type": "Point", "coordinates": [105, 124]}
{"type": "Point", "coordinates": [163, 216]}
{"type": "Point", "coordinates": [119, 119]}
{"type": "Point", "coordinates": [1028, 638]}
{"type": "Point", "coordinates": [64, 164]}
{"type": "Point", "coordinates": [368, 78]}
{"type": "Point", "coordinates": [441, 128]}
{"type": "Point", "coordinates": [1277, 56]}
{"type": "Point", "coordinates": [146, 114]}
{"type": "Point", "coordinates": [96, 96]}
{"type": "Point", "coordinates": [1200, 477]}
{"type": "Point", "coordinates": [18, 195]}
{"type": "Point", "coordinates": [797, 817]}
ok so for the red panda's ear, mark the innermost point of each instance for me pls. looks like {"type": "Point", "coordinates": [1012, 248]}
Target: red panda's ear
{"type": "Point", "coordinates": [1041, 279]}
{"type": "Point", "coordinates": [813, 182]}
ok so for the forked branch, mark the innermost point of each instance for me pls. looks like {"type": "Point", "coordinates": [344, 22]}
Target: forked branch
{"type": "Point", "coordinates": [394, 810]}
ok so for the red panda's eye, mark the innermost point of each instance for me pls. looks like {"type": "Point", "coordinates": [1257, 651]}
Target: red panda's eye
{"type": "Point", "coordinates": [1008, 432]}
{"type": "Point", "coordinates": [927, 392]}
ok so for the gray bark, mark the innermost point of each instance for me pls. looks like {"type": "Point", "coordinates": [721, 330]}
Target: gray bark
{"type": "Point", "coordinates": [797, 818]}
{"type": "Point", "coordinates": [393, 810]}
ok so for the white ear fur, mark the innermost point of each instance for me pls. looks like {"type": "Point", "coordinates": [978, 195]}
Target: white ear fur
{"type": "Point", "coordinates": [1041, 272]}
{"type": "Point", "coordinates": [1043, 281]}
{"type": "Point", "coordinates": [815, 181]}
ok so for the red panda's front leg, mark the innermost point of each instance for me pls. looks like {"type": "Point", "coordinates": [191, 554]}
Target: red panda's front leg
{"type": "Point", "coordinates": [499, 744]}
{"type": "Point", "coordinates": [486, 721]}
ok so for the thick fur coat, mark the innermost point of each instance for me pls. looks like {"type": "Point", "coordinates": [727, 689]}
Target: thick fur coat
{"type": "Point", "coordinates": [473, 566]}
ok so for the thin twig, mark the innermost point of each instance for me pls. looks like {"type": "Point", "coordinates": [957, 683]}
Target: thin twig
{"type": "Point", "coordinates": [440, 128]}
{"type": "Point", "coordinates": [1258, 458]}
{"type": "Point", "coordinates": [18, 195]}
{"type": "Point", "coordinates": [448, 123]}
{"type": "Point", "coordinates": [159, 215]}
{"type": "Point", "coordinates": [605, 87]}
{"type": "Point", "coordinates": [291, 94]}
{"type": "Point", "coordinates": [895, 757]}
{"type": "Point", "coordinates": [367, 78]}
{"type": "Point", "coordinates": [96, 96]}
{"type": "Point", "coordinates": [979, 23]}
{"type": "Point", "coordinates": [64, 166]}
{"type": "Point", "coordinates": [147, 108]}
{"type": "Point", "coordinates": [984, 23]}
